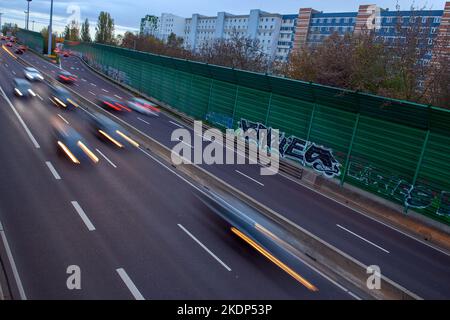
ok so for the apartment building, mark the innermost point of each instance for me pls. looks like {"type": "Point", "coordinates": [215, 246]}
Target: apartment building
{"type": "Point", "coordinates": [280, 34]}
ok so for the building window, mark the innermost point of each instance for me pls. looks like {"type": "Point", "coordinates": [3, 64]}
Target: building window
{"type": "Point", "coordinates": [437, 20]}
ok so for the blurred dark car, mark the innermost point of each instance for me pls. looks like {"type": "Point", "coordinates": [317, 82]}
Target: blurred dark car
{"type": "Point", "coordinates": [23, 47]}
{"type": "Point", "coordinates": [18, 51]}
{"type": "Point", "coordinates": [9, 44]}
{"type": "Point", "coordinates": [111, 103]}
{"type": "Point", "coordinates": [62, 98]}
{"type": "Point", "coordinates": [71, 144]}
{"type": "Point", "coordinates": [22, 88]}
{"type": "Point", "coordinates": [143, 106]}
{"type": "Point", "coordinates": [109, 131]}
{"type": "Point", "coordinates": [66, 77]}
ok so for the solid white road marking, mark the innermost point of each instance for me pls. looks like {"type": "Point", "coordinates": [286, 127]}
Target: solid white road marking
{"type": "Point", "coordinates": [105, 90]}
{"type": "Point", "coordinates": [63, 118]}
{"type": "Point", "coordinates": [130, 285]}
{"type": "Point", "coordinates": [204, 247]}
{"type": "Point", "coordinates": [83, 216]}
{"type": "Point", "coordinates": [109, 161]}
{"type": "Point", "coordinates": [13, 264]}
{"type": "Point", "coordinates": [358, 236]}
{"type": "Point", "coordinates": [37, 95]}
{"type": "Point", "coordinates": [30, 135]}
{"type": "Point", "coordinates": [53, 170]}
{"type": "Point", "coordinates": [6, 65]}
{"type": "Point", "coordinates": [119, 97]}
{"type": "Point", "coordinates": [13, 72]}
{"type": "Point", "coordinates": [143, 120]}
{"type": "Point", "coordinates": [92, 93]}
{"type": "Point", "coordinates": [256, 181]}
{"type": "Point", "coordinates": [93, 84]}
{"type": "Point", "coordinates": [190, 146]}
{"type": "Point", "coordinates": [83, 80]}
{"type": "Point", "coordinates": [176, 124]}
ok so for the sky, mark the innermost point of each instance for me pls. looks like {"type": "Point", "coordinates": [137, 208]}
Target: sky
{"type": "Point", "coordinates": [127, 13]}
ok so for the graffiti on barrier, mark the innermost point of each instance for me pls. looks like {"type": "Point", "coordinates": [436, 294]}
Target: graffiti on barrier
{"type": "Point", "coordinates": [220, 119]}
{"type": "Point", "coordinates": [119, 76]}
{"type": "Point", "coordinates": [307, 153]}
{"type": "Point", "coordinates": [417, 196]}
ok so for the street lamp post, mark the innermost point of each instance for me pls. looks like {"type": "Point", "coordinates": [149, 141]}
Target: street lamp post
{"type": "Point", "coordinates": [50, 30]}
{"type": "Point", "coordinates": [28, 13]}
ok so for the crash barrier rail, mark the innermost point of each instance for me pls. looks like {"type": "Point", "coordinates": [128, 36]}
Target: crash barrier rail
{"type": "Point", "coordinates": [325, 257]}
{"type": "Point", "coordinates": [395, 149]}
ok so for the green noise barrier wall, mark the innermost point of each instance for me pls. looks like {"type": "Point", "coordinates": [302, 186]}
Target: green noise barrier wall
{"type": "Point", "coordinates": [33, 40]}
{"type": "Point", "coordinates": [395, 149]}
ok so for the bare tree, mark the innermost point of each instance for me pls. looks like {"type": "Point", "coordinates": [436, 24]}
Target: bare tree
{"type": "Point", "coordinates": [236, 52]}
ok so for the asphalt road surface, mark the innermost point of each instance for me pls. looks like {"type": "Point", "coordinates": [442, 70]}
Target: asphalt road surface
{"type": "Point", "coordinates": [136, 230]}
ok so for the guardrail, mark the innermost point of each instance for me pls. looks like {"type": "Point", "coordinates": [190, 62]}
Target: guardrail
{"type": "Point", "coordinates": [335, 263]}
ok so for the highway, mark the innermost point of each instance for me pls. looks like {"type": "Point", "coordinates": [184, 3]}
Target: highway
{"type": "Point", "coordinates": [137, 230]}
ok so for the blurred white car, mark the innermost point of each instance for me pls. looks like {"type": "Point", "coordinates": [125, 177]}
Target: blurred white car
{"type": "Point", "coordinates": [143, 106]}
{"type": "Point", "coordinates": [33, 74]}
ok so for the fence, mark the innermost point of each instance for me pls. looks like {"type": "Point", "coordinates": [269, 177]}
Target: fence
{"type": "Point", "coordinates": [33, 40]}
{"type": "Point", "coordinates": [395, 149]}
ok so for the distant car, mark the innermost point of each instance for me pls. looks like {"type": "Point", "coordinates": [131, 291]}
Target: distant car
{"type": "Point", "coordinates": [70, 143]}
{"type": "Point", "coordinates": [18, 51]}
{"type": "Point", "coordinates": [143, 106]}
{"type": "Point", "coordinates": [111, 103]}
{"type": "Point", "coordinates": [66, 77]}
{"type": "Point", "coordinates": [66, 54]}
{"type": "Point", "coordinates": [62, 98]}
{"type": "Point", "coordinates": [111, 132]}
{"type": "Point", "coordinates": [32, 74]}
{"type": "Point", "coordinates": [3, 38]}
{"type": "Point", "coordinates": [9, 44]}
{"type": "Point", "coordinates": [23, 47]}
{"type": "Point", "coordinates": [22, 88]}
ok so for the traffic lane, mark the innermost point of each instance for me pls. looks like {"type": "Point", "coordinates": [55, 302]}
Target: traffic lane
{"type": "Point", "coordinates": [412, 264]}
{"type": "Point", "coordinates": [155, 202]}
{"type": "Point", "coordinates": [41, 227]}
{"type": "Point", "coordinates": [362, 255]}
{"type": "Point", "coordinates": [160, 131]}
{"type": "Point", "coordinates": [42, 129]}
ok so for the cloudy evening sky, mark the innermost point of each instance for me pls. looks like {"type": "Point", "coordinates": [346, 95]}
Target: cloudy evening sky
{"type": "Point", "coordinates": [127, 13]}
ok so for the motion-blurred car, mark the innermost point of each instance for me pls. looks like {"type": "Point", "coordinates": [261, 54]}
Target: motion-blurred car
{"type": "Point", "coordinates": [62, 98]}
{"type": "Point", "coordinates": [23, 47]}
{"type": "Point", "coordinates": [111, 103]}
{"type": "Point", "coordinates": [33, 74]}
{"type": "Point", "coordinates": [18, 51]}
{"type": "Point", "coordinates": [70, 143]}
{"type": "Point", "coordinates": [3, 38]}
{"type": "Point", "coordinates": [9, 44]}
{"type": "Point", "coordinates": [143, 106]}
{"type": "Point", "coordinates": [22, 88]}
{"type": "Point", "coordinates": [110, 131]}
{"type": "Point", "coordinates": [66, 54]}
{"type": "Point", "coordinates": [66, 77]}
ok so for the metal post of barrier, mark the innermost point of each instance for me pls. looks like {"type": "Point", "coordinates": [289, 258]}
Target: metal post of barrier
{"type": "Point", "coordinates": [311, 122]}
{"type": "Point", "coordinates": [419, 163]}
{"type": "Point", "coordinates": [268, 108]}
{"type": "Point", "coordinates": [350, 148]}
{"type": "Point", "coordinates": [235, 101]}
{"type": "Point", "coordinates": [209, 96]}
